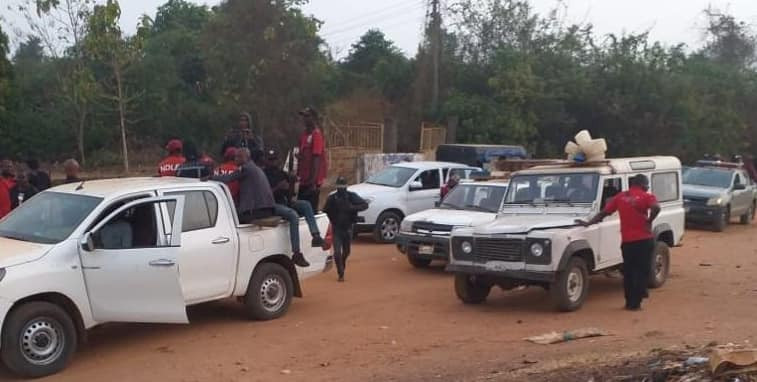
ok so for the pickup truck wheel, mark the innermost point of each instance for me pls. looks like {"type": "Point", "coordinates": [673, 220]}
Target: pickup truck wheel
{"type": "Point", "coordinates": [722, 221]}
{"type": "Point", "coordinates": [387, 227]}
{"type": "Point", "coordinates": [269, 293]}
{"type": "Point", "coordinates": [660, 265]}
{"type": "Point", "coordinates": [418, 262]}
{"type": "Point", "coordinates": [570, 288]}
{"type": "Point", "coordinates": [39, 339]}
{"type": "Point", "coordinates": [470, 291]}
{"type": "Point", "coordinates": [748, 217]}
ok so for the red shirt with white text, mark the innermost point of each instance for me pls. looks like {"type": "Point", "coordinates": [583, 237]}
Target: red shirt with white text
{"type": "Point", "coordinates": [169, 165]}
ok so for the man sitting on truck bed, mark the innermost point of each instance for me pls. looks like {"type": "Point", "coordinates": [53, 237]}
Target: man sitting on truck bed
{"type": "Point", "coordinates": [255, 196]}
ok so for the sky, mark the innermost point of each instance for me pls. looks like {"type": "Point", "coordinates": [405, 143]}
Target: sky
{"type": "Point", "coordinates": [669, 21]}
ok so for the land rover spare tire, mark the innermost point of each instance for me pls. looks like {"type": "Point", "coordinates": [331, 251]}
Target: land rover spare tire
{"type": "Point", "coordinates": [39, 339]}
{"type": "Point", "coordinates": [269, 293]}
{"type": "Point", "coordinates": [660, 265]}
{"type": "Point", "coordinates": [469, 291]}
{"type": "Point", "coordinates": [571, 286]}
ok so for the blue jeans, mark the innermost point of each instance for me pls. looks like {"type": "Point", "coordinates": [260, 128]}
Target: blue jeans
{"type": "Point", "coordinates": [306, 211]}
{"type": "Point", "coordinates": [291, 216]}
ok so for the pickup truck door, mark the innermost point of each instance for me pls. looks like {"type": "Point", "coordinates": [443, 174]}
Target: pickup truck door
{"type": "Point", "coordinates": [742, 198]}
{"type": "Point", "coordinates": [129, 264]}
{"type": "Point", "coordinates": [427, 192]}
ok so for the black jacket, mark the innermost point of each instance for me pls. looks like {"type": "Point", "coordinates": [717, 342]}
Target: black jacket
{"type": "Point", "coordinates": [254, 191]}
{"type": "Point", "coordinates": [342, 209]}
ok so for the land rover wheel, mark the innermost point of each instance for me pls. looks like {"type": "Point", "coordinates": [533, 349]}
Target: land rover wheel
{"type": "Point", "coordinates": [660, 265]}
{"type": "Point", "coordinates": [39, 339]}
{"type": "Point", "coordinates": [387, 227]}
{"type": "Point", "coordinates": [418, 262]}
{"type": "Point", "coordinates": [469, 290]}
{"type": "Point", "coordinates": [748, 217]}
{"type": "Point", "coordinates": [269, 293]}
{"type": "Point", "coordinates": [571, 286]}
{"type": "Point", "coordinates": [722, 221]}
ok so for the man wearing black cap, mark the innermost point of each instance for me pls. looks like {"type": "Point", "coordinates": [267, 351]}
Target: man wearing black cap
{"type": "Point", "coordinates": [312, 166]}
{"type": "Point", "coordinates": [342, 207]}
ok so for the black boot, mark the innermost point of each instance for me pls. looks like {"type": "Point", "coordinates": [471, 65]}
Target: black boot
{"type": "Point", "coordinates": [299, 260]}
{"type": "Point", "coordinates": [317, 241]}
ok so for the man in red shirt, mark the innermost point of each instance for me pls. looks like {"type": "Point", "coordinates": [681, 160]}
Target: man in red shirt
{"type": "Point", "coordinates": [229, 166]}
{"type": "Point", "coordinates": [637, 209]}
{"type": "Point", "coordinates": [169, 165]}
{"type": "Point", "coordinates": [8, 173]}
{"type": "Point", "coordinates": [5, 200]}
{"type": "Point", "coordinates": [312, 166]}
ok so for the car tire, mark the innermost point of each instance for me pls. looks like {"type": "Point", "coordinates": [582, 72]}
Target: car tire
{"type": "Point", "coordinates": [39, 339]}
{"type": "Point", "coordinates": [748, 217]}
{"type": "Point", "coordinates": [418, 262]}
{"type": "Point", "coordinates": [570, 288]}
{"type": "Point", "coordinates": [270, 292]}
{"type": "Point", "coordinates": [470, 291]}
{"type": "Point", "coordinates": [660, 265]}
{"type": "Point", "coordinates": [722, 221]}
{"type": "Point", "coordinates": [387, 227]}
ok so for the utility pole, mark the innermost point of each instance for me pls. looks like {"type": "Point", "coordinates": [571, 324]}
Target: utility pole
{"type": "Point", "coordinates": [436, 53]}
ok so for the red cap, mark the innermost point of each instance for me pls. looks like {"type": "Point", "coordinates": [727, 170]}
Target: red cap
{"type": "Point", "coordinates": [174, 145]}
{"type": "Point", "coordinates": [230, 153]}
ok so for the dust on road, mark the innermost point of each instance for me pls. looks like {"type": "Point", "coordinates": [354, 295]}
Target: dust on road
{"type": "Point", "coordinates": [392, 322]}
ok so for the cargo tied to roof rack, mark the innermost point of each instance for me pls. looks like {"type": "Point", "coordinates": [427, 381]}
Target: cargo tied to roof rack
{"type": "Point", "coordinates": [585, 148]}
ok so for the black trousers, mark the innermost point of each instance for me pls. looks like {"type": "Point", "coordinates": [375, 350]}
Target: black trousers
{"type": "Point", "coordinates": [310, 194]}
{"type": "Point", "coordinates": [637, 265]}
{"type": "Point", "coordinates": [342, 245]}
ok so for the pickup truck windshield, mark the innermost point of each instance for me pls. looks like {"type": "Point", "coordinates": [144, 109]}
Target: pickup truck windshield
{"type": "Point", "coordinates": [553, 189]}
{"type": "Point", "coordinates": [393, 176]}
{"type": "Point", "coordinates": [708, 177]}
{"type": "Point", "coordinates": [48, 218]}
{"type": "Point", "coordinates": [475, 197]}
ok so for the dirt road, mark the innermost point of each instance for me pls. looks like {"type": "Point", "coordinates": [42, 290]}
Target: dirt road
{"type": "Point", "coordinates": [392, 322]}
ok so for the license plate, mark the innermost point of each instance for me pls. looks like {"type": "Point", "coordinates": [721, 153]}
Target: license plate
{"type": "Point", "coordinates": [426, 249]}
{"type": "Point", "coordinates": [496, 266]}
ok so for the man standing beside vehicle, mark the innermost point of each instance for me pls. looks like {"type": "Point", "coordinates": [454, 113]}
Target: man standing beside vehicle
{"type": "Point", "coordinates": [22, 191]}
{"type": "Point", "coordinates": [312, 166]}
{"type": "Point", "coordinates": [175, 158]}
{"type": "Point", "coordinates": [342, 207]}
{"type": "Point", "coordinates": [637, 209]}
{"type": "Point", "coordinates": [71, 168]}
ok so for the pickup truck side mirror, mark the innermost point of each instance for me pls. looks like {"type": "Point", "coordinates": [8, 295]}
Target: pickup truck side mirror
{"type": "Point", "coordinates": [739, 187]}
{"type": "Point", "coordinates": [87, 243]}
{"type": "Point", "coordinates": [415, 186]}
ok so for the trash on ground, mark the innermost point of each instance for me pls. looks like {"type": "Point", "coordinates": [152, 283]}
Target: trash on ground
{"type": "Point", "coordinates": [555, 337]}
{"type": "Point", "coordinates": [730, 360]}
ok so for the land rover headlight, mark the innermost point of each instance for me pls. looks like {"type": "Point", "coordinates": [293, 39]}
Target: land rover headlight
{"type": "Point", "coordinates": [537, 249]}
{"type": "Point", "coordinates": [466, 247]}
{"type": "Point", "coordinates": [716, 201]}
{"type": "Point", "coordinates": [406, 226]}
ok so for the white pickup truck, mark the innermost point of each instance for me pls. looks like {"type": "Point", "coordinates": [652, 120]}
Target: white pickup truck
{"type": "Point", "coordinates": [133, 250]}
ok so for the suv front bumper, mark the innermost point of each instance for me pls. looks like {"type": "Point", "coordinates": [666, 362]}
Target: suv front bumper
{"type": "Point", "coordinates": [424, 247]}
{"type": "Point", "coordinates": [507, 274]}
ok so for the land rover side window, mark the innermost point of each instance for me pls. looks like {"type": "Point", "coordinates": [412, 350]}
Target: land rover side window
{"type": "Point", "coordinates": [665, 186]}
{"type": "Point", "coordinates": [133, 228]}
{"type": "Point", "coordinates": [200, 210]}
{"type": "Point", "coordinates": [610, 188]}
{"type": "Point", "coordinates": [429, 179]}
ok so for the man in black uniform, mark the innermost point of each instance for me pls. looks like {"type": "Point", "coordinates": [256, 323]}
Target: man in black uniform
{"type": "Point", "coordinates": [342, 208]}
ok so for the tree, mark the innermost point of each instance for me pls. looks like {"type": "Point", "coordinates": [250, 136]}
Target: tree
{"type": "Point", "coordinates": [375, 62]}
{"type": "Point", "coordinates": [106, 44]}
{"type": "Point", "coordinates": [5, 80]}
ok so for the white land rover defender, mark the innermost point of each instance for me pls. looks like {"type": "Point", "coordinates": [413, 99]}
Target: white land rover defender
{"type": "Point", "coordinates": [535, 241]}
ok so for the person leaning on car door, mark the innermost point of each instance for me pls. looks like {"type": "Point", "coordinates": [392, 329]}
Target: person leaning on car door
{"type": "Point", "coordinates": [637, 209]}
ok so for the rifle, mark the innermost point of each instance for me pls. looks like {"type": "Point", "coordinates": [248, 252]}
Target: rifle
{"type": "Point", "coordinates": [290, 171]}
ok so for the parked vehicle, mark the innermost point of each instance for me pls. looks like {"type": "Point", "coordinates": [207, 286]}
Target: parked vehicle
{"type": "Point", "coordinates": [478, 155]}
{"type": "Point", "coordinates": [714, 192]}
{"type": "Point", "coordinates": [424, 236]}
{"type": "Point", "coordinates": [535, 241]}
{"type": "Point", "coordinates": [133, 250]}
{"type": "Point", "coordinates": [400, 190]}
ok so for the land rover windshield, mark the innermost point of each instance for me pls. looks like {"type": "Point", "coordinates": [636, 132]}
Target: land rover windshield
{"type": "Point", "coordinates": [48, 218]}
{"type": "Point", "coordinates": [553, 189]}
{"type": "Point", "coordinates": [475, 197]}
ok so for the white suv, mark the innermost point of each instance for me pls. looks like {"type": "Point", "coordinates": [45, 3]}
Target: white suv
{"type": "Point", "coordinates": [535, 240]}
{"type": "Point", "coordinates": [400, 190]}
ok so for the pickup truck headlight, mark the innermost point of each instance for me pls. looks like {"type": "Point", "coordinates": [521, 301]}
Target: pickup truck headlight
{"type": "Point", "coordinates": [537, 249]}
{"type": "Point", "coordinates": [716, 201]}
{"type": "Point", "coordinates": [466, 247]}
{"type": "Point", "coordinates": [406, 226]}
